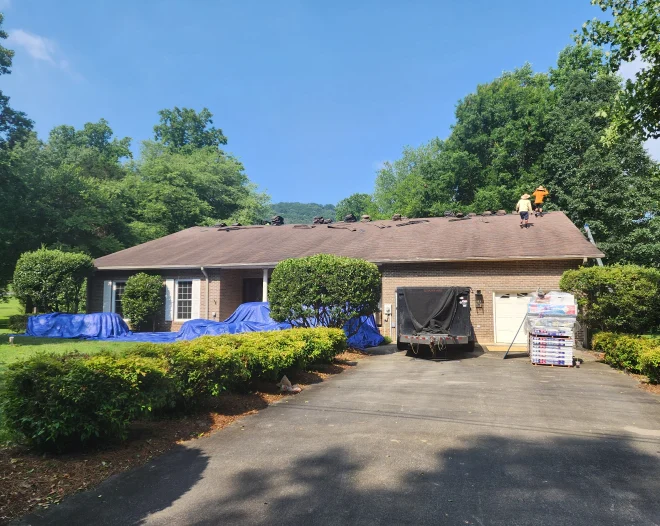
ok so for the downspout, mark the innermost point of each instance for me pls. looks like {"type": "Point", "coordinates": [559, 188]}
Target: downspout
{"type": "Point", "coordinates": [206, 276]}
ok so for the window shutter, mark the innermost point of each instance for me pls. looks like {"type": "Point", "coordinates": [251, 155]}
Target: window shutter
{"type": "Point", "coordinates": [107, 296]}
{"type": "Point", "coordinates": [169, 299]}
{"type": "Point", "coordinates": [196, 299]}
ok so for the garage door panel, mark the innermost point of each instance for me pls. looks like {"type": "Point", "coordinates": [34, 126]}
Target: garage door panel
{"type": "Point", "coordinates": [510, 310]}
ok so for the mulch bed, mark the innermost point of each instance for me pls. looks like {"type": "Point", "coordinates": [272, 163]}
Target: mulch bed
{"type": "Point", "coordinates": [29, 479]}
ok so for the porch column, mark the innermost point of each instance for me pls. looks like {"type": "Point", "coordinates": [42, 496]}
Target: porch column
{"type": "Point", "coordinates": [264, 296]}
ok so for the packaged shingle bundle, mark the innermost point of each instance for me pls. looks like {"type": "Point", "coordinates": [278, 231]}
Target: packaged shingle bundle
{"type": "Point", "coordinates": [553, 304]}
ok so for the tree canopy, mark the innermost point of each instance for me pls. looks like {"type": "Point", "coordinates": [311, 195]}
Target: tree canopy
{"type": "Point", "coordinates": [301, 213]}
{"type": "Point", "coordinates": [632, 34]}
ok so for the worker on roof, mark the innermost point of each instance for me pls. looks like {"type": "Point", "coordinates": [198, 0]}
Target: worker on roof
{"type": "Point", "coordinates": [524, 207]}
{"type": "Point", "coordinates": [539, 195]}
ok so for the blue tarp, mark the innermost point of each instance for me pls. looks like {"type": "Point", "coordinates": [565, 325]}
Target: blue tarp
{"type": "Point", "coordinates": [248, 317]}
{"type": "Point", "coordinates": [93, 326]}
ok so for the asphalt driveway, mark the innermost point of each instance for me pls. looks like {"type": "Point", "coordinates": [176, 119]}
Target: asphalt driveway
{"type": "Point", "coordinates": [398, 440]}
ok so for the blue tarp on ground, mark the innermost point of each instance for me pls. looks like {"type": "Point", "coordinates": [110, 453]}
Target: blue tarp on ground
{"type": "Point", "coordinates": [248, 317]}
{"type": "Point", "coordinates": [97, 326]}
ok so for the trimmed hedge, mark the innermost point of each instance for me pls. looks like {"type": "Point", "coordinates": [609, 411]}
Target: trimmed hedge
{"type": "Point", "coordinates": [64, 401]}
{"type": "Point", "coordinates": [637, 354]}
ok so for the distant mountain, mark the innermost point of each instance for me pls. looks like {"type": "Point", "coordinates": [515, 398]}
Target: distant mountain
{"type": "Point", "coordinates": [302, 213]}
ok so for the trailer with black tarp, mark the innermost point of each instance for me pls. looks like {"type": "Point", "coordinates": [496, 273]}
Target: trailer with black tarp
{"type": "Point", "coordinates": [433, 319]}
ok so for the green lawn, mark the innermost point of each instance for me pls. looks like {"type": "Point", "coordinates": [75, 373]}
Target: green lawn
{"type": "Point", "coordinates": [7, 309]}
{"type": "Point", "coordinates": [25, 347]}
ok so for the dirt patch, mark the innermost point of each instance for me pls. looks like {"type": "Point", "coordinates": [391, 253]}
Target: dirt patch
{"type": "Point", "coordinates": [29, 479]}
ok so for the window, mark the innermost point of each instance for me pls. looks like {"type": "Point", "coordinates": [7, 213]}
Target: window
{"type": "Point", "coordinates": [119, 287]}
{"type": "Point", "coordinates": [184, 300]}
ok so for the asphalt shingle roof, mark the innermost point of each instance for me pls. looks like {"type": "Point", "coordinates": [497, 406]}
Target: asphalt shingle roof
{"type": "Point", "coordinates": [553, 236]}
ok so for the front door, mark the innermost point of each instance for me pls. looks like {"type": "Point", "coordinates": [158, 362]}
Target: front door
{"type": "Point", "coordinates": [253, 289]}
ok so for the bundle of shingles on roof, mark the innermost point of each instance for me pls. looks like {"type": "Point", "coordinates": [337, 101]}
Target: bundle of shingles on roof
{"type": "Point", "coordinates": [320, 220]}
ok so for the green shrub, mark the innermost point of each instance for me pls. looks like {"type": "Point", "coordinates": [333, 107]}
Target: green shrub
{"type": "Point", "coordinates": [197, 369]}
{"type": "Point", "coordinates": [64, 401]}
{"type": "Point", "coordinates": [623, 298]}
{"type": "Point", "coordinates": [52, 280]}
{"type": "Point", "coordinates": [637, 354]}
{"type": "Point", "coordinates": [323, 290]}
{"type": "Point", "coordinates": [142, 299]}
{"type": "Point", "coordinates": [18, 322]}
{"type": "Point", "coordinates": [649, 360]}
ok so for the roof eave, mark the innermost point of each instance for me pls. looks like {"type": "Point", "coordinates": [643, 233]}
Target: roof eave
{"type": "Point", "coordinates": [273, 264]}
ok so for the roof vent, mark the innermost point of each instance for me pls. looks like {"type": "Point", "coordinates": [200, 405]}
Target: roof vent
{"type": "Point", "coordinates": [350, 218]}
{"type": "Point", "coordinates": [277, 220]}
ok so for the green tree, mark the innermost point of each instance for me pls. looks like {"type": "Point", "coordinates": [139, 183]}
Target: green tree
{"type": "Point", "coordinates": [142, 299]}
{"type": "Point", "coordinates": [185, 130]}
{"type": "Point", "coordinates": [15, 193]}
{"type": "Point", "coordinates": [356, 204]}
{"type": "Point", "coordinates": [301, 213]}
{"type": "Point", "coordinates": [402, 186]}
{"type": "Point", "coordinates": [168, 191]}
{"type": "Point", "coordinates": [324, 290]}
{"type": "Point", "coordinates": [52, 280]}
{"type": "Point", "coordinates": [615, 187]}
{"type": "Point", "coordinates": [632, 33]}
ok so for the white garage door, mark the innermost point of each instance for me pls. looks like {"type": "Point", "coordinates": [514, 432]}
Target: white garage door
{"type": "Point", "coordinates": [510, 309]}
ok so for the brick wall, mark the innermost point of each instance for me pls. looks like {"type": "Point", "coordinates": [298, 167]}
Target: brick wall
{"type": "Point", "coordinates": [225, 291]}
{"type": "Point", "coordinates": [489, 277]}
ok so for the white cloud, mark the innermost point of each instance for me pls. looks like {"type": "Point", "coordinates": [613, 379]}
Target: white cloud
{"type": "Point", "coordinates": [39, 48]}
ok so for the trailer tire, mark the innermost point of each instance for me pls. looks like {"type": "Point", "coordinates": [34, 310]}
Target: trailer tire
{"type": "Point", "coordinates": [470, 346]}
{"type": "Point", "coordinates": [401, 346]}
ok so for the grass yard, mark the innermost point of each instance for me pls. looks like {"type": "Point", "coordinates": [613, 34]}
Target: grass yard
{"type": "Point", "coordinates": [7, 309]}
{"type": "Point", "coordinates": [25, 347]}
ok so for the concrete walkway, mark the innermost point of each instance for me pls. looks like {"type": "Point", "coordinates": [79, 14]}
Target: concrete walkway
{"type": "Point", "coordinates": [399, 440]}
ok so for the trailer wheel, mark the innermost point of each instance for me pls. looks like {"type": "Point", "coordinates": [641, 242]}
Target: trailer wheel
{"type": "Point", "coordinates": [470, 346]}
{"type": "Point", "coordinates": [401, 346]}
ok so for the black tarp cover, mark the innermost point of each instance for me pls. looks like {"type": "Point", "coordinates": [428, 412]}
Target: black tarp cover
{"type": "Point", "coordinates": [434, 310]}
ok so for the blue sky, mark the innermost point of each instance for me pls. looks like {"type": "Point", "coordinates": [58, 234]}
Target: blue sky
{"type": "Point", "coordinates": [313, 95]}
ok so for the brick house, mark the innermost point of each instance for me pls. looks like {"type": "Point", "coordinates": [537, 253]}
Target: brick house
{"type": "Point", "coordinates": [209, 271]}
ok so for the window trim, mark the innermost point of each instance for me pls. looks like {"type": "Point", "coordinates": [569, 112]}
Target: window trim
{"type": "Point", "coordinates": [175, 302]}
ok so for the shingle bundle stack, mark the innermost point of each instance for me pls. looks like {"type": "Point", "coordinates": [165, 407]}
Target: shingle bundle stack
{"type": "Point", "coordinates": [551, 328]}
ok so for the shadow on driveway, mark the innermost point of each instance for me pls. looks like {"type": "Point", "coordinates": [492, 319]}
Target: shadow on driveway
{"type": "Point", "coordinates": [130, 497]}
{"type": "Point", "coordinates": [490, 480]}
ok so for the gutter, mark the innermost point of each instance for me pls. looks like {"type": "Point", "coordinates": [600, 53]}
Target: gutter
{"type": "Point", "coordinates": [206, 276]}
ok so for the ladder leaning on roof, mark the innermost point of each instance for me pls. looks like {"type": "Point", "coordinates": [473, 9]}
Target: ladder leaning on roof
{"type": "Point", "coordinates": [591, 238]}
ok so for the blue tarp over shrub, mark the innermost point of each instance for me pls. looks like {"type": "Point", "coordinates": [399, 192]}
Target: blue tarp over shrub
{"type": "Point", "coordinates": [248, 317]}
